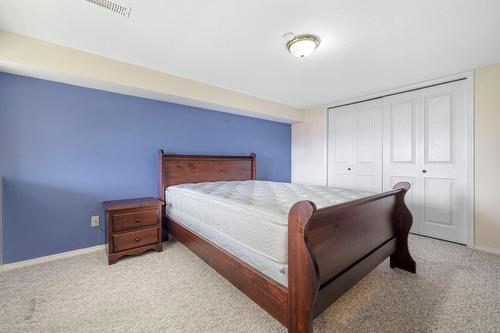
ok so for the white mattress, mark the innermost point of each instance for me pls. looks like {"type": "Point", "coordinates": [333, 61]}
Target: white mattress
{"type": "Point", "coordinates": [248, 218]}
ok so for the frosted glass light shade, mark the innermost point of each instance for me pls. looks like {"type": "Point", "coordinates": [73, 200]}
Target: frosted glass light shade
{"type": "Point", "coordinates": [303, 45]}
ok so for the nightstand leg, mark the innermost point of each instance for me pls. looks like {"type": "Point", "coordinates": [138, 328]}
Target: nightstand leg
{"type": "Point", "coordinates": [112, 259]}
{"type": "Point", "coordinates": [159, 247]}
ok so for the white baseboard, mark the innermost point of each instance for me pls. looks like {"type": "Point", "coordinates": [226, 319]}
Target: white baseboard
{"type": "Point", "coordinates": [40, 260]}
{"type": "Point", "coordinates": [488, 249]}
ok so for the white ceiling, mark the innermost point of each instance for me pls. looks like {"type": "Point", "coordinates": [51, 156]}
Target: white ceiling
{"type": "Point", "coordinates": [367, 46]}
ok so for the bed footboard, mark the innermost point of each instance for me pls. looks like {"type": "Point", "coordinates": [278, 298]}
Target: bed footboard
{"type": "Point", "coordinates": [332, 248]}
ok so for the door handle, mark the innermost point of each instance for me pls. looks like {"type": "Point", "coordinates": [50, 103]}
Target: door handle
{"type": "Point", "coordinates": [348, 169]}
{"type": "Point", "coordinates": [424, 171]}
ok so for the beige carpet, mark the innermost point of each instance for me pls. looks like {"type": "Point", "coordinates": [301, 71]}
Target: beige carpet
{"type": "Point", "coordinates": [456, 290]}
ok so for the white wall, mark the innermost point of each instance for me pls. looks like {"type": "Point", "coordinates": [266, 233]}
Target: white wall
{"type": "Point", "coordinates": [487, 141]}
{"type": "Point", "coordinates": [309, 148]}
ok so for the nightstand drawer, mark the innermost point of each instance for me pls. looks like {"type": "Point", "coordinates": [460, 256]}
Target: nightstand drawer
{"type": "Point", "coordinates": [130, 240]}
{"type": "Point", "coordinates": [142, 218]}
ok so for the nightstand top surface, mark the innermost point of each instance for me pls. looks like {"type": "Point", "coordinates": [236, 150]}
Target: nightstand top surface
{"type": "Point", "coordinates": [132, 203]}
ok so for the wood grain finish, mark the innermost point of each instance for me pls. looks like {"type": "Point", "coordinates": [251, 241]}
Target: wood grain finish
{"type": "Point", "coordinates": [402, 223]}
{"type": "Point", "coordinates": [137, 219]}
{"type": "Point", "coordinates": [133, 227]}
{"type": "Point", "coordinates": [179, 169]}
{"type": "Point", "coordinates": [303, 276]}
{"type": "Point", "coordinates": [114, 257]}
{"type": "Point", "coordinates": [130, 204]}
{"type": "Point", "coordinates": [264, 291]}
{"type": "Point", "coordinates": [345, 233]}
{"type": "Point", "coordinates": [340, 245]}
{"type": "Point", "coordinates": [132, 239]}
{"type": "Point", "coordinates": [329, 249]}
{"type": "Point", "coordinates": [336, 288]}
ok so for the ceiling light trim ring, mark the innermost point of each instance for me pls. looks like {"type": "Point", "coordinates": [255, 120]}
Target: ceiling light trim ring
{"type": "Point", "coordinates": [303, 37]}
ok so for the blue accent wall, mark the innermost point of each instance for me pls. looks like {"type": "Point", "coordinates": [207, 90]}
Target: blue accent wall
{"type": "Point", "coordinates": [64, 149]}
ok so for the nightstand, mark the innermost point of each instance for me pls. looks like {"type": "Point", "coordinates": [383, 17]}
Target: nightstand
{"type": "Point", "coordinates": [133, 226]}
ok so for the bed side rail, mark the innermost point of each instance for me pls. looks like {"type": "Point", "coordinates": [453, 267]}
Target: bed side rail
{"type": "Point", "coordinates": [332, 248]}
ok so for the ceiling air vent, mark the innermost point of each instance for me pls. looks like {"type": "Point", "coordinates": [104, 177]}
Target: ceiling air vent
{"type": "Point", "coordinates": [112, 6]}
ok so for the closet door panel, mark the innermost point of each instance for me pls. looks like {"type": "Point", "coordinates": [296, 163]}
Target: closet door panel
{"type": "Point", "coordinates": [401, 147]}
{"type": "Point", "coordinates": [367, 152]}
{"type": "Point", "coordinates": [340, 147]}
{"type": "Point", "coordinates": [438, 124]}
{"type": "Point", "coordinates": [365, 135]}
{"type": "Point", "coordinates": [342, 136]}
{"type": "Point", "coordinates": [444, 166]}
{"type": "Point", "coordinates": [438, 201]}
{"type": "Point", "coordinates": [355, 146]}
{"type": "Point", "coordinates": [402, 131]}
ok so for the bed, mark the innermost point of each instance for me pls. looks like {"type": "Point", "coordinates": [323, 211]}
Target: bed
{"type": "Point", "coordinates": [293, 257]}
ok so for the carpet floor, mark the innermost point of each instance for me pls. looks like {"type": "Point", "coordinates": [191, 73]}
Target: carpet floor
{"type": "Point", "coordinates": [456, 290]}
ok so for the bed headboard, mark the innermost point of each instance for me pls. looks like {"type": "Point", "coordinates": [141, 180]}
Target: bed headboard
{"type": "Point", "coordinates": [178, 169]}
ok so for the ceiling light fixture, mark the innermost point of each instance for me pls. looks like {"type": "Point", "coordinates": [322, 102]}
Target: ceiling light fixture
{"type": "Point", "coordinates": [303, 45]}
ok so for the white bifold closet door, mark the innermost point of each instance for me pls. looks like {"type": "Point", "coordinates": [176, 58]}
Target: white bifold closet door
{"type": "Point", "coordinates": [355, 146]}
{"type": "Point", "coordinates": [426, 144]}
{"type": "Point", "coordinates": [420, 137]}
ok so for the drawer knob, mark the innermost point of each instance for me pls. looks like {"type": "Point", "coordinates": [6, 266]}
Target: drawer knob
{"type": "Point", "coordinates": [137, 239]}
{"type": "Point", "coordinates": [137, 220]}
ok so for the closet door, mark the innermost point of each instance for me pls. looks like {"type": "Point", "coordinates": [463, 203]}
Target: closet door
{"type": "Point", "coordinates": [444, 162]}
{"type": "Point", "coordinates": [355, 146]}
{"type": "Point", "coordinates": [425, 143]}
{"type": "Point", "coordinates": [339, 147]}
{"type": "Point", "coordinates": [402, 149]}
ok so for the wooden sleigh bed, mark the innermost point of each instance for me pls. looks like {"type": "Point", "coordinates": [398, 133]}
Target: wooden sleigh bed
{"type": "Point", "coordinates": [329, 249]}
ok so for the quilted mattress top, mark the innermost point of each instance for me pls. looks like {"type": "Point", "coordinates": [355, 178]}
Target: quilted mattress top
{"type": "Point", "coordinates": [270, 198]}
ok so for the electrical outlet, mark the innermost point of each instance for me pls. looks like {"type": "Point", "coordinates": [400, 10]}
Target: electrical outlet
{"type": "Point", "coordinates": [94, 221]}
